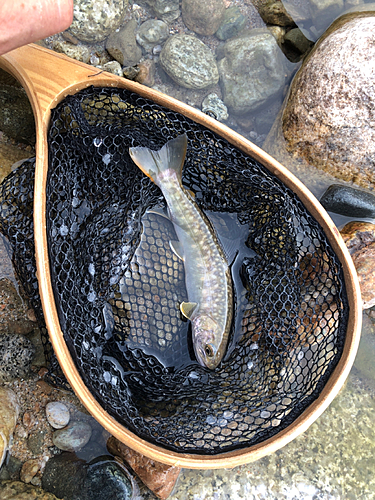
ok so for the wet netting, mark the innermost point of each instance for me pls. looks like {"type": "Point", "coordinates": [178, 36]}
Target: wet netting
{"type": "Point", "coordinates": [118, 285]}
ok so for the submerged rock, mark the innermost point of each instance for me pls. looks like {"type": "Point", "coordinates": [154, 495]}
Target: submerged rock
{"type": "Point", "coordinates": [348, 201]}
{"type": "Point", "coordinates": [159, 478]}
{"type": "Point", "coordinates": [9, 410]}
{"type": "Point", "coordinates": [189, 62]}
{"type": "Point", "coordinates": [151, 33]}
{"type": "Point", "coordinates": [94, 20]}
{"type": "Point", "coordinates": [14, 313]}
{"type": "Point", "coordinates": [329, 118]}
{"type": "Point", "coordinates": [233, 22]}
{"type": "Point", "coordinates": [213, 105]}
{"type": "Point", "coordinates": [17, 490]}
{"type": "Point", "coordinates": [252, 71]}
{"type": "Point", "coordinates": [167, 10]}
{"type": "Point", "coordinates": [16, 114]}
{"type": "Point", "coordinates": [72, 438]}
{"type": "Point", "coordinates": [16, 354]}
{"type": "Point", "coordinates": [274, 12]}
{"type": "Point", "coordinates": [123, 46]}
{"type": "Point", "coordinates": [203, 18]}
{"type": "Point", "coordinates": [359, 238]}
{"type": "Point", "coordinates": [58, 415]}
{"type": "Point", "coordinates": [70, 478]}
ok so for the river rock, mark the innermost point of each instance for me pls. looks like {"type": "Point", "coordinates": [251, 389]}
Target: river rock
{"type": "Point", "coordinates": [159, 478]}
{"type": "Point", "coordinates": [213, 105]}
{"type": "Point", "coordinates": [94, 20]}
{"type": "Point", "coordinates": [274, 12]}
{"type": "Point", "coordinates": [151, 33]}
{"type": "Point", "coordinates": [359, 238]}
{"type": "Point", "coordinates": [16, 490]}
{"type": "Point", "coordinates": [252, 71]}
{"type": "Point", "coordinates": [113, 67]}
{"type": "Point", "coordinates": [79, 52]}
{"type": "Point", "coordinates": [189, 62]}
{"type": "Point", "coordinates": [29, 470]}
{"type": "Point", "coordinates": [102, 479]}
{"type": "Point", "coordinates": [232, 23]}
{"type": "Point", "coordinates": [167, 10]}
{"type": "Point", "coordinates": [73, 437]}
{"type": "Point", "coordinates": [16, 354]}
{"type": "Point", "coordinates": [204, 18]}
{"type": "Point", "coordinates": [329, 118]}
{"type": "Point", "coordinates": [122, 45]}
{"type": "Point", "coordinates": [146, 73]}
{"type": "Point", "coordinates": [16, 115]}
{"type": "Point", "coordinates": [14, 313]}
{"type": "Point", "coordinates": [313, 16]}
{"type": "Point", "coordinates": [9, 411]}
{"type": "Point", "coordinates": [57, 414]}
{"type": "Point", "coordinates": [296, 41]}
{"type": "Point", "coordinates": [349, 201]}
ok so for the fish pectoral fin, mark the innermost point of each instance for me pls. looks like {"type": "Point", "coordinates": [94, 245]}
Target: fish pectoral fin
{"type": "Point", "coordinates": [187, 308]}
{"type": "Point", "coordinates": [158, 211]}
{"type": "Point", "coordinates": [177, 249]}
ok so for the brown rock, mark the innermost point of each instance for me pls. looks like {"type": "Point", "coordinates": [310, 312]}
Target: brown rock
{"type": "Point", "coordinates": [13, 317]}
{"type": "Point", "coordinates": [274, 12]}
{"type": "Point", "coordinates": [329, 119]}
{"type": "Point", "coordinates": [9, 410]}
{"type": "Point", "coordinates": [146, 74]}
{"type": "Point", "coordinates": [158, 477]}
{"type": "Point", "coordinates": [16, 490]}
{"type": "Point", "coordinates": [29, 470]}
{"type": "Point", "coordinates": [357, 235]}
{"type": "Point", "coordinates": [203, 18]}
{"type": "Point", "coordinates": [359, 238]}
{"type": "Point", "coordinates": [123, 46]}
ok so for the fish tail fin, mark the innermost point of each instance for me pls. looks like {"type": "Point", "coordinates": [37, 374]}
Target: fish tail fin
{"type": "Point", "coordinates": [170, 156]}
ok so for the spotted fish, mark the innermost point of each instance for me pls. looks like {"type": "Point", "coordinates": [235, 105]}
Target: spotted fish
{"type": "Point", "coordinates": [207, 274]}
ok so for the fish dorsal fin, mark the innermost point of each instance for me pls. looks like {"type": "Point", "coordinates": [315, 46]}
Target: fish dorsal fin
{"type": "Point", "coordinates": [177, 249]}
{"type": "Point", "coordinates": [170, 156]}
{"type": "Point", "coordinates": [187, 308]}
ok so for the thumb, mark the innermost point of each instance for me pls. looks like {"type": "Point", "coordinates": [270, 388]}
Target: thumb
{"type": "Point", "coordinates": [26, 21]}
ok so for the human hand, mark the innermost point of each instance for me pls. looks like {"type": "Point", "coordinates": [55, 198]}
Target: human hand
{"type": "Point", "coordinates": [26, 21]}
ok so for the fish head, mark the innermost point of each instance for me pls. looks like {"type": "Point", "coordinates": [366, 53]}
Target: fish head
{"type": "Point", "coordinates": [205, 335]}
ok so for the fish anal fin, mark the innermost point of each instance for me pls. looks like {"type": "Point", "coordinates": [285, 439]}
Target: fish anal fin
{"type": "Point", "coordinates": [187, 308]}
{"type": "Point", "coordinates": [177, 249]}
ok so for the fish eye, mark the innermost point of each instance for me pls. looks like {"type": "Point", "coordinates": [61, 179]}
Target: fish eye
{"type": "Point", "coordinates": [208, 350]}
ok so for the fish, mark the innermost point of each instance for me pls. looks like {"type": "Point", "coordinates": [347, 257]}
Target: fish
{"type": "Point", "coordinates": [207, 273]}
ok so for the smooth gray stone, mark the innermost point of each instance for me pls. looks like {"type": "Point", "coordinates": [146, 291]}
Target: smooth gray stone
{"type": "Point", "coordinates": [348, 201]}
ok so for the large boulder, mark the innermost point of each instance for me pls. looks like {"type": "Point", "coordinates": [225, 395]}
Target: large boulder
{"type": "Point", "coordinates": [329, 118]}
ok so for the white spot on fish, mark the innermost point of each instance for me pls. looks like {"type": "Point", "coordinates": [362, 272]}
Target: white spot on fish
{"type": "Point", "coordinates": [97, 141]}
{"type": "Point", "coordinates": [92, 269]}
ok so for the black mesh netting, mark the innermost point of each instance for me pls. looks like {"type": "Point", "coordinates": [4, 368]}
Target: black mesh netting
{"type": "Point", "coordinates": [118, 285]}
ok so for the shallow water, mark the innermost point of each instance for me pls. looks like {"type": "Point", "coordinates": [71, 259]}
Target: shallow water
{"type": "Point", "coordinates": [334, 458]}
